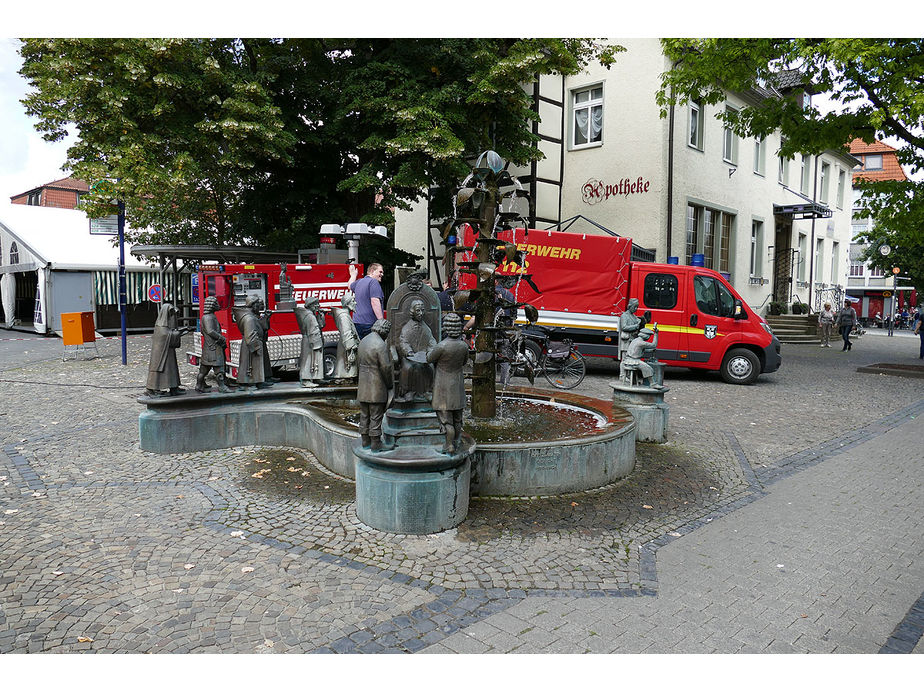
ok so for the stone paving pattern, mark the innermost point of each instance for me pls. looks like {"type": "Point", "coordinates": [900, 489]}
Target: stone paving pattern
{"type": "Point", "coordinates": [783, 517]}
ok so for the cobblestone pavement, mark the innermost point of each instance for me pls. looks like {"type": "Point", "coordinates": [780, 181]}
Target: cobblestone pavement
{"type": "Point", "coordinates": [783, 517]}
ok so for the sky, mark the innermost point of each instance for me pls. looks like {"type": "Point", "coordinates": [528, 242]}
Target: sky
{"type": "Point", "coordinates": [26, 160]}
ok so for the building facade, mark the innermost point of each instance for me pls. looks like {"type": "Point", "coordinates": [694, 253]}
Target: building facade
{"type": "Point", "coordinates": [64, 193]}
{"type": "Point", "coordinates": [683, 185]}
{"type": "Point", "coordinates": [878, 292]}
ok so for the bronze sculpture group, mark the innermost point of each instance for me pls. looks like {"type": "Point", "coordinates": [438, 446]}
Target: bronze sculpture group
{"type": "Point", "coordinates": [638, 365]}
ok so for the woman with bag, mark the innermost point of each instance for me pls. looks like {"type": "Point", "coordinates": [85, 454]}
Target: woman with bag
{"type": "Point", "coordinates": [825, 323]}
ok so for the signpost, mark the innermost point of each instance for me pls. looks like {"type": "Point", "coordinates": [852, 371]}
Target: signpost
{"type": "Point", "coordinates": [114, 224]}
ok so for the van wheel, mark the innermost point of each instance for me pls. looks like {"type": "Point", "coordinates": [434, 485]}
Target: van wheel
{"type": "Point", "coordinates": [740, 367]}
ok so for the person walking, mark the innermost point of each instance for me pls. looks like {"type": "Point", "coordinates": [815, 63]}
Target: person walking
{"type": "Point", "coordinates": [919, 331]}
{"type": "Point", "coordinates": [825, 323]}
{"type": "Point", "coordinates": [370, 299]}
{"type": "Point", "coordinates": [845, 320]}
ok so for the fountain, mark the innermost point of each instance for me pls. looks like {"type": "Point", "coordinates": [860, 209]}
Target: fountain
{"type": "Point", "coordinates": [414, 466]}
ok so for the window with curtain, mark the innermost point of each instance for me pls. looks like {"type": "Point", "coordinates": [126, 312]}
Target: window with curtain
{"type": "Point", "coordinates": [760, 146]}
{"type": "Point", "coordinates": [803, 249]}
{"type": "Point", "coordinates": [872, 162]}
{"type": "Point", "coordinates": [756, 232]}
{"type": "Point", "coordinates": [825, 181]}
{"type": "Point", "coordinates": [14, 253]}
{"type": "Point", "coordinates": [730, 142]}
{"type": "Point", "coordinates": [696, 125]}
{"type": "Point", "coordinates": [587, 126]}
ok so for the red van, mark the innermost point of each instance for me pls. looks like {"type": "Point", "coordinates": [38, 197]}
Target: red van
{"type": "Point", "coordinates": [585, 281]}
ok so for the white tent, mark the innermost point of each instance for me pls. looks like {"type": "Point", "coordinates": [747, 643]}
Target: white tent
{"type": "Point", "coordinates": [74, 269]}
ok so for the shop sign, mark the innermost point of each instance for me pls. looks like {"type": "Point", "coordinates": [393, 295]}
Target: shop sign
{"type": "Point", "coordinates": [594, 191]}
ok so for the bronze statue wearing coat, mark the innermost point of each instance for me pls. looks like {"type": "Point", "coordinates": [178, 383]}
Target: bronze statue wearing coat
{"type": "Point", "coordinates": [376, 379]}
{"type": "Point", "coordinates": [310, 321]}
{"type": "Point", "coordinates": [213, 348]}
{"type": "Point", "coordinates": [416, 380]}
{"type": "Point", "coordinates": [250, 365]}
{"type": "Point", "coordinates": [449, 356]}
{"type": "Point", "coordinates": [163, 373]}
{"type": "Point", "coordinates": [349, 339]}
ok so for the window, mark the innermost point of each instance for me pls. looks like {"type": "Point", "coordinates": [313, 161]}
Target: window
{"type": "Point", "coordinates": [708, 238]}
{"type": "Point", "coordinates": [14, 253]}
{"type": "Point", "coordinates": [819, 257]}
{"type": "Point", "coordinates": [729, 141]}
{"type": "Point", "coordinates": [841, 181]}
{"type": "Point", "coordinates": [709, 232]}
{"type": "Point", "coordinates": [696, 125]}
{"type": "Point", "coordinates": [872, 162]}
{"type": "Point", "coordinates": [724, 242]}
{"type": "Point", "coordinates": [660, 291]}
{"type": "Point", "coordinates": [35, 198]}
{"type": "Point", "coordinates": [760, 147]}
{"type": "Point", "coordinates": [692, 231]}
{"type": "Point", "coordinates": [857, 229]}
{"type": "Point", "coordinates": [835, 260]}
{"type": "Point", "coordinates": [803, 249]}
{"type": "Point", "coordinates": [856, 268]}
{"type": "Point", "coordinates": [876, 272]}
{"type": "Point", "coordinates": [587, 126]}
{"type": "Point", "coordinates": [757, 232]}
{"type": "Point", "coordinates": [712, 297]}
{"type": "Point", "coordinates": [825, 181]}
{"type": "Point", "coordinates": [806, 170]}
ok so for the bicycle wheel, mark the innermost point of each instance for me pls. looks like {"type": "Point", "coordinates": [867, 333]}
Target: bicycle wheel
{"type": "Point", "coordinates": [564, 373]}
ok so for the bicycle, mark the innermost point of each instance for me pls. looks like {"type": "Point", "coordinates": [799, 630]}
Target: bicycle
{"type": "Point", "coordinates": [533, 352]}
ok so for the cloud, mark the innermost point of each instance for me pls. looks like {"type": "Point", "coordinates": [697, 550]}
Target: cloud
{"type": "Point", "coordinates": [26, 160]}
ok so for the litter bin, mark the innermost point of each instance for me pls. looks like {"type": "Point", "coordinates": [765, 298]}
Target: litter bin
{"type": "Point", "coordinates": [77, 330]}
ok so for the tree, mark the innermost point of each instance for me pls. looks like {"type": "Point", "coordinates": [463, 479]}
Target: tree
{"type": "Point", "coordinates": [262, 140]}
{"type": "Point", "coordinates": [879, 82]}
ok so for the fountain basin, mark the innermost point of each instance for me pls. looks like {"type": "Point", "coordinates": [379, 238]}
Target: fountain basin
{"type": "Point", "coordinates": [284, 416]}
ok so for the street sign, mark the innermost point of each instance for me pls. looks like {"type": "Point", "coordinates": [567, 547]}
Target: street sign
{"type": "Point", "coordinates": [109, 224]}
{"type": "Point", "coordinates": [155, 293]}
{"type": "Point", "coordinates": [896, 270]}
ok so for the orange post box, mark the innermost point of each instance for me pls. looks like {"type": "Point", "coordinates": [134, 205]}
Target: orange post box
{"type": "Point", "coordinates": [77, 328]}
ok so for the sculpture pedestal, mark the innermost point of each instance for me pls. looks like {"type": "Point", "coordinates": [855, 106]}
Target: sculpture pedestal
{"type": "Point", "coordinates": [413, 489]}
{"type": "Point", "coordinates": [646, 404]}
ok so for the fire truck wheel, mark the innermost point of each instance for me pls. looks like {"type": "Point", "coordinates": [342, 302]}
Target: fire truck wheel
{"type": "Point", "coordinates": [740, 367]}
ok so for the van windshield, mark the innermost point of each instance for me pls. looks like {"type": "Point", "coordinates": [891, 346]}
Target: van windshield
{"type": "Point", "coordinates": [712, 297]}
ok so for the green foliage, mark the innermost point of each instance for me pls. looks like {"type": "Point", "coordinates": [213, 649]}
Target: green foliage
{"type": "Point", "coordinates": [777, 308]}
{"type": "Point", "coordinates": [262, 140]}
{"type": "Point", "coordinates": [879, 80]}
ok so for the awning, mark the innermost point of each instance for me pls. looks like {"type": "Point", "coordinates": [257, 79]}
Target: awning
{"type": "Point", "coordinates": [106, 286]}
{"type": "Point", "coordinates": [807, 210]}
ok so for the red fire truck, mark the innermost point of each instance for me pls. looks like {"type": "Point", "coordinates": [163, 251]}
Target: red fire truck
{"type": "Point", "coordinates": [585, 281]}
{"type": "Point", "coordinates": [232, 284]}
